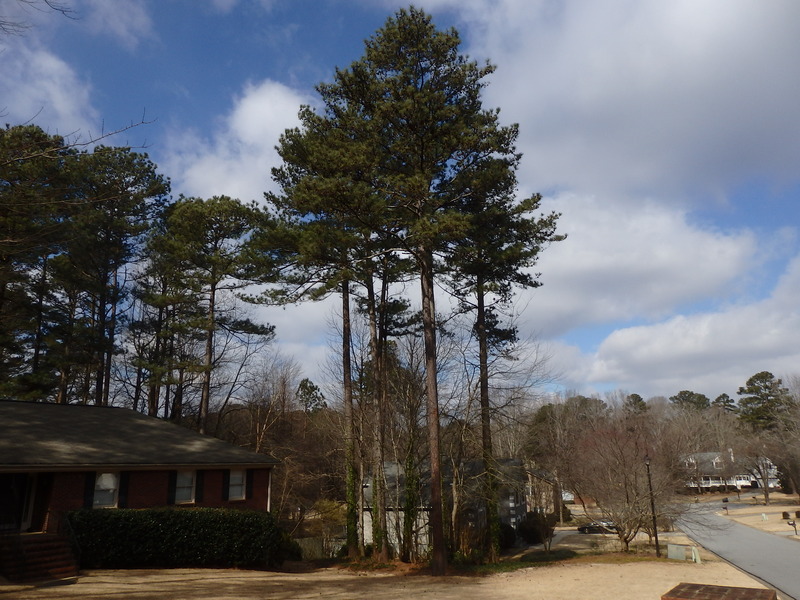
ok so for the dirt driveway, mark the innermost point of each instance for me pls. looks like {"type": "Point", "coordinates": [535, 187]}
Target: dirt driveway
{"type": "Point", "coordinates": [643, 580]}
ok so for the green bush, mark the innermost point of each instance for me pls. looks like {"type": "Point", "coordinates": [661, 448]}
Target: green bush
{"type": "Point", "coordinates": [536, 526]}
{"type": "Point", "coordinates": [507, 536]}
{"type": "Point", "coordinates": [470, 557]}
{"type": "Point", "coordinates": [199, 537]}
{"type": "Point", "coordinates": [566, 514]}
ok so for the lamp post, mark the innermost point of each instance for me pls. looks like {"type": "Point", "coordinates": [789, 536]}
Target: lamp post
{"type": "Point", "coordinates": [652, 504]}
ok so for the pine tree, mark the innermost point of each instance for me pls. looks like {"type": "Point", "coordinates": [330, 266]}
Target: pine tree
{"type": "Point", "coordinates": [122, 195]}
{"type": "Point", "coordinates": [725, 402]}
{"type": "Point", "coordinates": [414, 103]}
{"type": "Point", "coordinates": [500, 245]}
{"type": "Point", "coordinates": [690, 400]}
{"type": "Point", "coordinates": [210, 243]}
{"type": "Point", "coordinates": [37, 192]}
{"type": "Point", "coordinates": [401, 138]}
{"type": "Point", "coordinates": [764, 401]}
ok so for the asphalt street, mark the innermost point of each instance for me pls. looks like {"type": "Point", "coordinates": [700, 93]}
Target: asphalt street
{"type": "Point", "coordinates": [773, 559]}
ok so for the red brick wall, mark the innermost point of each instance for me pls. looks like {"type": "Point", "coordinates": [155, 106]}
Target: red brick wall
{"type": "Point", "coordinates": [261, 482]}
{"type": "Point", "coordinates": [67, 494]}
{"type": "Point", "coordinates": [150, 489]}
{"type": "Point", "coordinates": [212, 491]}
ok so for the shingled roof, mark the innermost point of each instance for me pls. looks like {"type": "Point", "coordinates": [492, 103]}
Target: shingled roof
{"type": "Point", "coordinates": [38, 436]}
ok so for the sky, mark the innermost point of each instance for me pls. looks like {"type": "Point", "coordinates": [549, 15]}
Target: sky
{"type": "Point", "coordinates": [667, 134]}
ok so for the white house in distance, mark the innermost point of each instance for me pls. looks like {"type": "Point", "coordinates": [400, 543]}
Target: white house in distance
{"type": "Point", "coordinates": [720, 471]}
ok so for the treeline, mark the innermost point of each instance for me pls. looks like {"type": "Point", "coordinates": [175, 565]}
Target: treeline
{"type": "Point", "coordinates": [110, 291]}
{"type": "Point", "coordinates": [625, 454]}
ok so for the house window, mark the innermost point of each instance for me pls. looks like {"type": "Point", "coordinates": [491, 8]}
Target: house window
{"type": "Point", "coordinates": [106, 490]}
{"type": "Point", "coordinates": [185, 487]}
{"type": "Point", "coordinates": [717, 463]}
{"type": "Point", "coordinates": [237, 485]}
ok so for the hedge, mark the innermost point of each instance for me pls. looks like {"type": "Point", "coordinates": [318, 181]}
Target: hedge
{"type": "Point", "coordinates": [170, 537]}
{"type": "Point", "coordinates": [535, 526]}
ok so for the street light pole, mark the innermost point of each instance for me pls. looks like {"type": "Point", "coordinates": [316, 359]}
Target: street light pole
{"type": "Point", "coordinates": [652, 505]}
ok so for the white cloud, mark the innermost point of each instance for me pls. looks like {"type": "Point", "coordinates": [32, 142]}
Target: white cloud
{"type": "Point", "coordinates": [236, 158]}
{"type": "Point", "coordinates": [301, 332]}
{"type": "Point", "coordinates": [224, 6]}
{"type": "Point", "coordinates": [128, 23]}
{"type": "Point", "coordinates": [634, 113]}
{"type": "Point", "coordinates": [658, 96]}
{"type": "Point", "coordinates": [711, 352]}
{"type": "Point", "coordinates": [37, 86]}
{"type": "Point", "coordinates": [627, 262]}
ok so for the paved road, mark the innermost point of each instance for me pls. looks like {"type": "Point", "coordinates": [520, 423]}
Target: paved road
{"type": "Point", "coordinates": [771, 558]}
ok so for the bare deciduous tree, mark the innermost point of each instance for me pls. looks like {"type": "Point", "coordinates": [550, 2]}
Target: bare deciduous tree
{"type": "Point", "coordinates": [14, 21]}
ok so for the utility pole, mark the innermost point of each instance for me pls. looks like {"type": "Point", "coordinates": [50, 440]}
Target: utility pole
{"type": "Point", "coordinates": [652, 505]}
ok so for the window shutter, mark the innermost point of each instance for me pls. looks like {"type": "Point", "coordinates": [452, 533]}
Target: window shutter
{"type": "Point", "coordinates": [249, 485]}
{"type": "Point", "coordinates": [88, 489]}
{"type": "Point", "coordinates": [198, 486]}
{"type": "Point", "coordinates": [226, 484]}
{"type": "Point", "coordinates": [122, 494]}
{"type": "Point", "coordinates": [173, 480]}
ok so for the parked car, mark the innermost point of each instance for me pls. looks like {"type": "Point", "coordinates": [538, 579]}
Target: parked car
{"type": "Point", "coordinates": [603, 526]}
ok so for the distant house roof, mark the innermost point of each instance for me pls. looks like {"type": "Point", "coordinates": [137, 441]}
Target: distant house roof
{"type": "Point", "coordinates": [510, 473]}
{"type": "Point", "coordinates": [38, 436]}
{"type": "Point", "coordinates": [707, 462]}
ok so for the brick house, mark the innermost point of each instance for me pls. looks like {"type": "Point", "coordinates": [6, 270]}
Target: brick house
{"type": "Point", "coordinates": [57, 458]}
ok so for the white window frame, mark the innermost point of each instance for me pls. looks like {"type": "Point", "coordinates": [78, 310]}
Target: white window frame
{"type": "Point", "coordinates": [106, 490]}
{"type": "Point", "coordinates": [185, 487]}
{"type": "Point", "coordinates": [237, 484]}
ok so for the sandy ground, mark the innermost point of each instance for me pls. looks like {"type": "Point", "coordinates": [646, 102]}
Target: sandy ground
{"type": "Point", "coordinates": [750, 510]}
{"type": "Point", "coordinates": [589, 578]}
{"type": "Point", "coordinates": [634, 581]}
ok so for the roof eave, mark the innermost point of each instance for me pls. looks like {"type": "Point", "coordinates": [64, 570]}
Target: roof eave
{"type": "Point", "coordinates": [73, 468]}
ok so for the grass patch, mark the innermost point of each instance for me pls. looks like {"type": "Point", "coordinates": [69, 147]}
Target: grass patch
{"type": "Point", "coordinates": [540, 558]}
{"type": "Point", "coordinates": [537, 558]}
{"type": "Point", "coordinates": [613, 558]}
{"type": "Point", "coordinates": [367, 564]}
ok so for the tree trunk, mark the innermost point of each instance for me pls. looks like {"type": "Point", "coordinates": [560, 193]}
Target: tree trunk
{"type": "Point", "coordinates": [111, 339]}
{"type": "Point", "coordinates": [377, 347]}
{"type": "Point", "coordinates": [349, 429]}
{"type": "Point", "coordinates": [177, 397]}
{"type": "Point", "coordinates": [157, 361]}
{"type": "Point", "coordinates": [101, 341]}
{"type": "Point", "coordinates": [41, 289]}
{"type": "Point", "coordinates": [439, 550]}
{"type": "Point", "coordinates": [137, 388]}
{"type": "Point", "coordinates": [208, 362]}
{"type": "Point", "coordinates": [487, 452]}
{"type": "Point", "coordinates": [66, 353]}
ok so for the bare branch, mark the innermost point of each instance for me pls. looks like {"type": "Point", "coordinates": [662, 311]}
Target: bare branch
{"type": "Point", "coordinates": [17, 26]}
{"type": "Point", "coordinates": [55, 152]}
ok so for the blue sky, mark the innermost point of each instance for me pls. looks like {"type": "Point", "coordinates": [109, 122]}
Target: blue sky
{"type": "Point", "coordinates": [666, 133]}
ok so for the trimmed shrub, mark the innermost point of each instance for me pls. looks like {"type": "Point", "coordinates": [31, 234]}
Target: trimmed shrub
{"type": "Point", "coordinates": [170, 537]}
{"type": "Point", "coordinates": [566, 514]}
{"type": "Point", "coordinates": [536, 526]}
{"type": "Point", "coordinates": [507, 536]}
